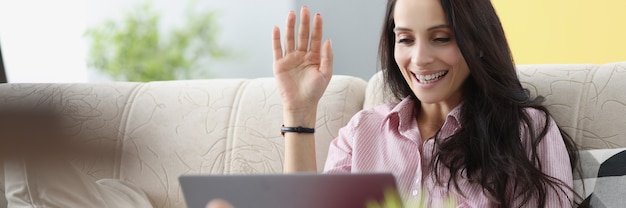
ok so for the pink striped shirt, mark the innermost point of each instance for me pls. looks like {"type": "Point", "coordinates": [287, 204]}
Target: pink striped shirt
{"type": "Point", "coordinates": [386, 139]}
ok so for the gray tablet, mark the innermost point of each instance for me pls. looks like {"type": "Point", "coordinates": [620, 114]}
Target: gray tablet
{"type": "Point", "coordinates": [288, 190]}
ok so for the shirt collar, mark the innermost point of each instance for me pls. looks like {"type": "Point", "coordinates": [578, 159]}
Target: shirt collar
{"type": "Point", "coordinates": [404, 112]}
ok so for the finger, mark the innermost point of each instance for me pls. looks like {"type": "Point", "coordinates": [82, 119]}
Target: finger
{"type": "Point", "coordinates": [276, 47]}
{"type": "Point", "coordinates": [289, 33]}
{"type": "Point", "coordinates": [316, 36]}
{"type": "Point", "coordinates": [326, 66]}
{"type": "Point", "coordinates": [303, 31]}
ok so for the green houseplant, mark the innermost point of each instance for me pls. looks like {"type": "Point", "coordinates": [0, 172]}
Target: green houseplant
{"type": "Point", "coordinates": [136, 49]}
{"type": "Point", "coordinates": [392, 200]}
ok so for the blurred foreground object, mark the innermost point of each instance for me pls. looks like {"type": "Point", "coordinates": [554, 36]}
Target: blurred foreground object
{"type": "Point", "coordinates": [36, 135]}
{"type": "Point", "coordinates": [3, 74]}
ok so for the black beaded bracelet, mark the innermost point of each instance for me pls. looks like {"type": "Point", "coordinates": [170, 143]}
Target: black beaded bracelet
{"type": "Point", "coordinates": [298, 130]}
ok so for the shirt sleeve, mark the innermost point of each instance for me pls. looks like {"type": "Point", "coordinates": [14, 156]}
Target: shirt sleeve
{"type": "Point", "coordinates": [554, 158]}
{"type": "Point", "coordinates": [339, 159]}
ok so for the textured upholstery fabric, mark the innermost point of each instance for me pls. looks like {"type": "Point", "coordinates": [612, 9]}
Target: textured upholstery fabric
{"type": "Point", "coordinates": [218, 127]}
{"type": "Point", "coordinates": [60, 184]}
{"type": "Point", "coordinates": [588, 101]}
{"type": "Point", "coordinates": [154, 132]}
{"type": "Point", "coordinates": [150, 133]}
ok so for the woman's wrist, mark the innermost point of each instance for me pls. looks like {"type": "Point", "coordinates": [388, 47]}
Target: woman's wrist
{"type": "Point", "coordinates": [303, 117]}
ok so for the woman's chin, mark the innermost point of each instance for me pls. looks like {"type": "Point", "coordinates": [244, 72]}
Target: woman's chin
{"type": "Point", "coordinates": [428, 99]}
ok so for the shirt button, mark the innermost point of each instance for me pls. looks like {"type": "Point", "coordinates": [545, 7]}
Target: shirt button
{"type": "Point", "coordinates": [415, 193]}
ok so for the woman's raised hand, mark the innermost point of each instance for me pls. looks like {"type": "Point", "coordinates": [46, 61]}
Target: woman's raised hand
{"type": "Point", "coordinates": [302, 67]}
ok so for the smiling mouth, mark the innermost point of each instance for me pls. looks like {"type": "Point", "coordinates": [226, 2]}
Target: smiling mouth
{"type": "Point", "coordinates": [427, 79]}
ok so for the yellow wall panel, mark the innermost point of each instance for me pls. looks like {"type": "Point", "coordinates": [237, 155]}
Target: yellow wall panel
{"type": "Point", "coordinates": [564, 31]}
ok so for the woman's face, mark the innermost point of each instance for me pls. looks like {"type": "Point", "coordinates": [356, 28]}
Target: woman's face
{"type": "Point", "coordinates": [427, 53]}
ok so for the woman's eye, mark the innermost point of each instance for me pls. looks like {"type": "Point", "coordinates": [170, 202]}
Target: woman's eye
{"type": "Point", "coordinates": [442, 40]}
{"type": "Point", "coordinates": [405, 40]}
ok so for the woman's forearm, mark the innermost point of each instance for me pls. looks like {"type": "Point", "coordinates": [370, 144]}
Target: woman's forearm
{"type": "Point", "coordinates": [300, 147]}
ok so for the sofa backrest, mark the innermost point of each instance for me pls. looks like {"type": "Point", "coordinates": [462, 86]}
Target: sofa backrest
{"type": "Point", "coordinates": [154, 132]}
{"type": "Point", "coordinates": [587, 101]}
{"type": "Point", "coordinates": [218, 127]}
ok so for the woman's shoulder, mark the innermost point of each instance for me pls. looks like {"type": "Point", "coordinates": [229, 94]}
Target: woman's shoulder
{"type": "Point", "coordinates": [536, 116]}
{"type": "Point", "coordinates": [539, 120]}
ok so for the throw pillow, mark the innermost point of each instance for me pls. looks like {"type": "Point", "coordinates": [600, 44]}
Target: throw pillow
{"type": "Point", "coordinates": [60, 184]}
{"type": "Point", "coordinates": [604, 178]}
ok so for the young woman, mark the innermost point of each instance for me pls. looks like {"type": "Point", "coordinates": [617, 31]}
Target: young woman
{"type": "Point", "coordinates": [463, 126]}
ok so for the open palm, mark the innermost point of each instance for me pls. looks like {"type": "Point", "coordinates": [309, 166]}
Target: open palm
{"type": "Point", "coordinates": [302, 71]}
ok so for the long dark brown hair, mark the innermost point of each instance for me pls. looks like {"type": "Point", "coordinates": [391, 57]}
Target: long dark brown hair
{"type": "Point", "coordinates": [487, 149]}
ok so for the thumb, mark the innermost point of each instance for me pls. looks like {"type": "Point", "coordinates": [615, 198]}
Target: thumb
{"type": "Point", "coordinates": [326, 65]}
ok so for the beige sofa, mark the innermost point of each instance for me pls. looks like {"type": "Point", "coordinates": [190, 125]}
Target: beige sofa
{"type": "Point", "coordinates": [160, 130]}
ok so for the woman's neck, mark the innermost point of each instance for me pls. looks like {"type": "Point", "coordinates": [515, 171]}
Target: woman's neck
{"type": "Point", "coordinates": [431, 117]}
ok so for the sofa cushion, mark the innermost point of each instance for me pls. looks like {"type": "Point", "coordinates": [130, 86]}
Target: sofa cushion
{"type": "Point", "coordinates": [587, 101]}
{"type": "Point", "coordinates": [603, 177]}
{"type": "Point", "coordinates": [60, 184]}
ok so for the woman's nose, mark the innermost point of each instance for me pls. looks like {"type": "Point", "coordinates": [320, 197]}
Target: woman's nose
{"type": "Point", "coordinates": [422, 54]}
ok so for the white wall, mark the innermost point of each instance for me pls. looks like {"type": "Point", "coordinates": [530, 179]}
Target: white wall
{"type": "Point", "coordinates": [41, 40]}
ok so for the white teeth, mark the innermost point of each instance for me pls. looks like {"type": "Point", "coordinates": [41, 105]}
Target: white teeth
{"type": "Point", "coordinates": [430, 78]}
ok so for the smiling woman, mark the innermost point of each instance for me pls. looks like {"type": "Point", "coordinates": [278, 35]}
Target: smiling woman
{"type": "Point", "coordinates": [462, 126]}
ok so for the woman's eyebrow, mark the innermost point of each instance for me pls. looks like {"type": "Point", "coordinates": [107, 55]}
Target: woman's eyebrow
{"type": "Point", "coordinates": [439, 27]}
{"type": "Point", "coordinates": [404, 29]}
